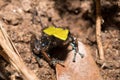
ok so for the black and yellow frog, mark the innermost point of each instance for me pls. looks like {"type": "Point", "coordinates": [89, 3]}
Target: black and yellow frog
{"type": "Point", "coordinates": [53, 38]}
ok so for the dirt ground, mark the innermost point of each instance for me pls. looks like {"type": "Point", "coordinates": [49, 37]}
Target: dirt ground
{"type": "Point", "coordinates": [22, 18]}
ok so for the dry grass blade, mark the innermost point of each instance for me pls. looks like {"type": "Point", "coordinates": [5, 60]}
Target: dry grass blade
{"type": "Point", "coordinates": [10, 53]}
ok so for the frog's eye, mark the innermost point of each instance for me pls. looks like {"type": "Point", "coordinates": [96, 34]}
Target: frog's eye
{"type": "Point", "coordinates": [57, 32]}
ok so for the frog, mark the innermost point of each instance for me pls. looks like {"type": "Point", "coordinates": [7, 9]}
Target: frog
{"type": "Point", "coordinates": [53, 37]}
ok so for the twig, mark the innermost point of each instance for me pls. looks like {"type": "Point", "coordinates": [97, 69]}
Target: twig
{"type": "Point", "coordinates": [98, 29]}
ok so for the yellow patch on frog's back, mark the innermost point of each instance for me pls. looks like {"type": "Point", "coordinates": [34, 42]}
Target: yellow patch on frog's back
{"type": "Point", "coordinates": [57, 32]}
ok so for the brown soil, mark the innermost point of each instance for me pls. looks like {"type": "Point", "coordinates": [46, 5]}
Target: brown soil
{"type": "Point", "coordinates": [21, 18]}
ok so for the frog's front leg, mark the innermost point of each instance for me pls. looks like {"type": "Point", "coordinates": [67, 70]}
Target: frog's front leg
{"type": "Point", "coordinates": [74, 45]}
{"type": "Point", "coordinates": [35, 46]}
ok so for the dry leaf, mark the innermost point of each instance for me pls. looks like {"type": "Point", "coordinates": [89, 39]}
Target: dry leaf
{"type": "Point", "coordinates": [83, 69]}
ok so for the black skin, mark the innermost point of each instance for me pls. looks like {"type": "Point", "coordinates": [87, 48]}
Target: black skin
{"type": "Point", "coordinates": [46, 43]}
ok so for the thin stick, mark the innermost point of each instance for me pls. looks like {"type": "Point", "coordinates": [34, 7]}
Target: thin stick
{"type": "Point", "coordinates": [98, 30]}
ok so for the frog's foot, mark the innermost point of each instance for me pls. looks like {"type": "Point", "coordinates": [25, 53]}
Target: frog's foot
{"type": "Point", "coordinates": [82, 55]}
{"type": "Point", "coordinates": [38, 59]}
{"type": "Point", "coordinates": [74, 56]}
{"type": "Point", "coordinates": [53, 62]}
